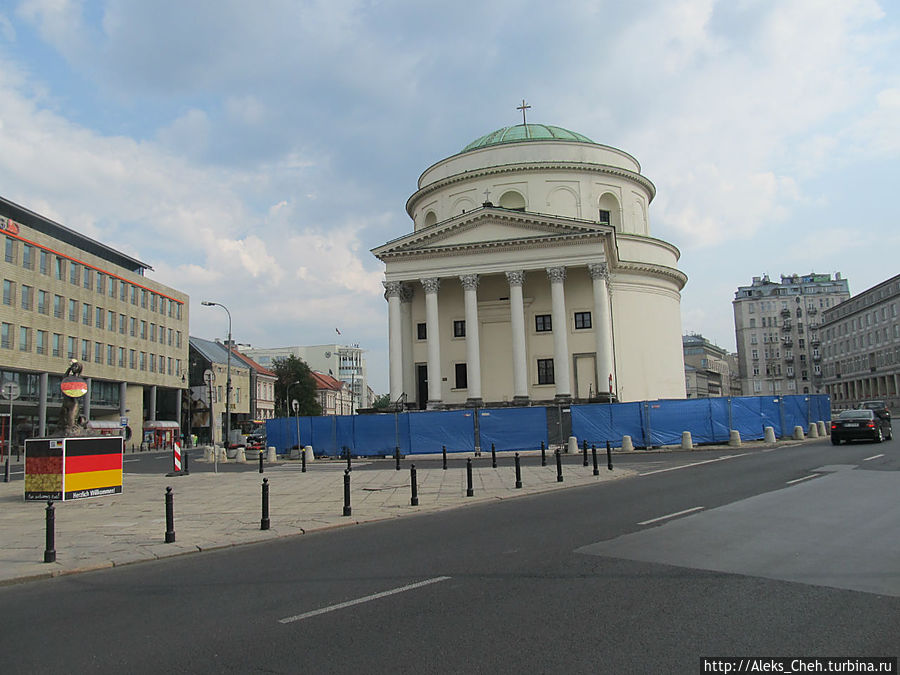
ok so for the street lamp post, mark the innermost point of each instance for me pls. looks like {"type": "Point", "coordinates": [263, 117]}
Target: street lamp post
{"type": "Point", "coordinates": [296, 414]}
{"type": "Point", "coordinates": [207, 303]}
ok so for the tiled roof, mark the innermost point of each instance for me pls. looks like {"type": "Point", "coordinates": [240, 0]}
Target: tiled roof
{"type": "Point", "coordinates": [326, 381]}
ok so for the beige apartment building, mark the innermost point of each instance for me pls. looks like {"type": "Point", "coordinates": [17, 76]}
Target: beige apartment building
{"type": "Point", "coordinates": [778, 332]}
{"type": "Point", "coordinates": [861, 347]}
{"type": "Point", "coordinates": [66, 296]}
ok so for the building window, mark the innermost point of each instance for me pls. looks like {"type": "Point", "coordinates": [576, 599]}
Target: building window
{"type": "Point", "coordinates": [9, 292]}
{"type": "Point", "coordinates": [70, 347]}
{"type": "Point", "coordinates": [73, 310]}
{"type": "Point", "coordinates": [10, 250]}
{"type": "Point", "coordinates": [112, 286]}
{"type": "Point", "coordinates": [101, 283]}
{"type": "Point", "coordinates": [152, 332]}
{"type": "Point", "coordinates": [545, 371]}
{"type": "Point", "coordinates": [132, 359]}
{"type": "Point", "coordinates": [121, 363]}
{"type": "Point", "coordinates": [134, 295]}
{"type": "Point", "coordinates": [42, 302]}
{"type": "Point", "coordinates": [144, 298]}
{"type": "Point", "coordinates": [604, 217]}
{"type": "Point", "coordinates": [98, 317]}
{"type": "Point", "coordinates": [459, 329]}
{"type": "Point", "coordinates": [57, 344]}
{"type": "Point", "coordinates": [27, 296]}
{"type": "Point", "coordinates": [110, 320]}
{"type": "Point", "coordinates": [28, 257]}
{"type": "Point", "coordinates": [461, 378]}
{"type": "Point", "coordinates": [143, 360]}
{"type": "Point", "coordinates": [143, 330]}
{"type": "Point", "coordinates": [59, 268]}
{"type": "Point", "coordinates": [98, 352]}
{"type": "Point", "coordinates": [582, 320]}
{"type": "Point", "coordinates": [123, 292]}
{"type": "Point", "coordinates": [152, 363]}
{"type": "Point", "coordinates": [132, 326]}
{"type": "Point", "coordinates": [5, 339]}
{"type": "Point", "coordinates": [24, 339]}
{"type": "Point", "coordinates": [44, 262]}
{"type": "Point", "coordinates": [110, 355]}
{"type": "Point", "coordinates": [121, 324]}
{"type": "Point", "coordinates": [88, 278]}
{"type": "Point", "coordinates": [73, 274]}
{"type": "Point", "coordinates": [86, 314]}
{"type": "Point", "coordinates": [41, 344]}
{"type": "Point", "coordinates": [85, 350]}
{"type": "Point", "coordinates": [421, 333]}
{"type": "Point", "coordinates": [542, 323]}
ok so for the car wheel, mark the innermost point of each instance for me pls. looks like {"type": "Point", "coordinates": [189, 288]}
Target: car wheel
{"type": "Point", "coordinates": [879, 437]}
{"type": "Point", "coordinates": [890, 434]}
{"type": "Point", "coordinates": [835, 441]}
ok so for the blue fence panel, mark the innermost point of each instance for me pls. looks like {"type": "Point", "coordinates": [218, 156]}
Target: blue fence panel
{"type": "Point", "coordinates": [747, 417]}
{"type": "Point", "coordinates": [600, 422]}
{"type": "Point", "coordinates": [344, 432]}
{"type": "Point", "coordinates": [669, 418]}
{"type": "Point", "coordinates": [276, 434]}
{"type": "Point", "coordinates": [428, 431]}
{"type": "Point", "coordinates": [719, 414]}
{"type": "Point", "coordinates": [822, 407]}
{"type": "Point", "coordinates": [771, 410]}
{"type": "Point", "coordinates": [323, 438]}
{"type": "Point", "coordinates": [513, 428]}
{"type": "Point", "coordinates": [375, 435]}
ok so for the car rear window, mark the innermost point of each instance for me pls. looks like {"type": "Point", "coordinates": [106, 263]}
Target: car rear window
{"type": "Point", "coordinates": [856, 415]}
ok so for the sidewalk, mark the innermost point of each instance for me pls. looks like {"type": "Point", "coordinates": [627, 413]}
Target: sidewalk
{"type": "Point", "coordinates": [219, 510]}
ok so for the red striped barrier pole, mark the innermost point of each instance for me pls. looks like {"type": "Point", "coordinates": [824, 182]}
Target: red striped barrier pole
{"type": "Point", "coordinates": [176, 456]}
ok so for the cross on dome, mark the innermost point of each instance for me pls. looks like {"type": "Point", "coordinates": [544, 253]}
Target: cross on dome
{"type": "Point", "coordinates": [523, 108]}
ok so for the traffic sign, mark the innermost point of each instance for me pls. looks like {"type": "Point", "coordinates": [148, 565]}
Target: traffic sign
{"type": "Point", "coordinates": [295, 405]}
{"type": "Point", "coordinates": [10, 391]}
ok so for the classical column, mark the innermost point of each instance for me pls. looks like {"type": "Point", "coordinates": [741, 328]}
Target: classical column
{"type": "Point", "coordinates": [473, 349]}
{"type": "Point", "coordinates": [406, 330]}
{"type": "Point", "coordinates": [560, 331]}
{"type": "Point", "coordinates": [517, 317]}
{"type": "Point", "coordinates": [123, 392]}
{"type": "Point", "coordinates": [602, 326]}
{"type": "Point", "coordinates": [395, 339]}
{"type": "Point", "coordinates": [433, 338]}
{"type": "Point", "coordinates": [152, 414]}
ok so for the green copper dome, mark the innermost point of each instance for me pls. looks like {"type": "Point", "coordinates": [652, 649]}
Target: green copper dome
{"type": "Point", "coordinates": [526, 132]}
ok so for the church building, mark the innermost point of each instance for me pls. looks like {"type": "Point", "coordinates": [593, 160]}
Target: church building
{"type": "Point", "coordinates": [531, 276]}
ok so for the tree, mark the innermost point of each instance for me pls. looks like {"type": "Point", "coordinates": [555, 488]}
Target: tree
{"type": "Point", "coordinates": [292, 370]}
{"type": "Point", "coordinates": [382, 402]}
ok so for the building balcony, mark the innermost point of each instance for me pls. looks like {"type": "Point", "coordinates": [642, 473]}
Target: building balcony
{"type": "Point", "coordinates": [787, 327]}
{"type": "Point", "coordinates": [789, 359]}
{"type": "Point", "coordinates": [812, 311]}
{"type": "Point", "coordinates": [785, 312]}
{"type": "Point", "coordinates": [787, 342]}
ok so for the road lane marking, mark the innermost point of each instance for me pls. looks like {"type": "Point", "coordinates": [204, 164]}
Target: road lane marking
{"type": "Point", "coordinates": [359, 601]}
{"type": "Point", "coordinates": [873, 457]}
{"type": "Point", "coordinates": [797, 480]}
{"type": "Point", "coordinates": [685, 466]}
{"type": "Point", "coordinates": [672, 515]}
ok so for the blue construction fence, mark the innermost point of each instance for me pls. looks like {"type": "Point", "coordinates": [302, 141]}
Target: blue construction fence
{"type": "Point", "coordinates": [649, 423]}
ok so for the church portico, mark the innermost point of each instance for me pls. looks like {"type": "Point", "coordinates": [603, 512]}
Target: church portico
{"type": "Point", "coordinates": [514, 306]}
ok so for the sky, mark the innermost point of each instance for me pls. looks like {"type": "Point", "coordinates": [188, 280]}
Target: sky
{"type": "Point", "coordinates": [254, 153]}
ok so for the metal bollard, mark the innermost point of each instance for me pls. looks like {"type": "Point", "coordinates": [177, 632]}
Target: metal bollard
{"type": "Point", "coordinates": [608, 457]}
{"type": "Point", "coordinates": [493, 456]}
{"type": "Point", "coordinates": [470, 492]}
{"type": "Point", "coordinates": [349, 467]}
{"type": "Point", "coordinates": [444, 453]}
{"type": "Point", "coordinates": [518, 472]}
{"type": "Point", "coordinates": [264, 522]}
{"type": "Point", "coordinates": [584, 452]}
{"type": "Point", "coordinates": [543, 455]}
{"type": "Point", "coordinates": [260, 461]}
{"type": "Point", "coordinates": [6, 471]}
{"type": "Point", "coordinates": [303, 461]}
{"type": "Point", "coordinates": [594, 455]}
{"type": "Point", "coordinates": [414, 498]}
{"type": "Point", "coordinates": [559, 476]}
{"type": "Point", "coordinates": [346, 492]}
{"type": "Point", "coordinates": [186, 470]}
{"type": "Point", "coordinates": [170, 517]}
{"type": "Point", "coordinates": [50, 548]}
{"type": "Point", "coordinates": [397, 457]}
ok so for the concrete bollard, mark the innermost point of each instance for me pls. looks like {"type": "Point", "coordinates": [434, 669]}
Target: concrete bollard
{"type": "Point", "coordinates": [271, 454]}
{"type": "Point", "coordinates": [223, 455]}
{"type": "Point", "coordinates": [627, 445]}
{"type": "Point", "coordinates": [813, 430]}
{"type": "Point", "coordinates": [687, 442]}
{"type": "Point", "coordinates": [240, 456]}
{"type": "Point", "coordinates": [823, 429]}
{"type": "Point", "coordinates": [572, 447]}
{"type": "Point", "coordinates": [769, 435]}
{"type": "Point", "coordinates": [208, 455]}
{"type": "Point", "coordinates": [308, 454]}
{"type": "Point", "coordinates": [798, 433]}
{"type": "Point", "coordinates": [734, 438]}
{"type": "Point", "coordinates": [295, 453]}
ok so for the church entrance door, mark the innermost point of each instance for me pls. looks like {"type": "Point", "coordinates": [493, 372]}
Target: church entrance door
{"type": "Point", "coordinates": [422, 385]}
{"type": "Point", "coordinates": [585, 376]}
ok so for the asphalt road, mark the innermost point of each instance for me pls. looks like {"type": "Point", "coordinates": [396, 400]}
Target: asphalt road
{"type": "Point", "coordinates": [726, 554]}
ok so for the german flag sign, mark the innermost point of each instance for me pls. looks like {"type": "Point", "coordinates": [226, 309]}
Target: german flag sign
{"type": "Point", "coordinates": [74, 387]}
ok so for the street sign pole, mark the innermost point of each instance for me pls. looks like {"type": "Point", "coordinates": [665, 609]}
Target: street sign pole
{"type": "Point", "coordinates": [10, 391]}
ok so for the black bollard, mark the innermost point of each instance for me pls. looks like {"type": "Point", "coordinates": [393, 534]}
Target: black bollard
{"type": "Point", "coordinates": [349, 468]}
{"type": "Point", "coordinates": [346, 492]}
{"type": "Point", "coordinates": [414, 498]}
{"type": "Point", "coordinates": [264, 522]}
{"type": "Point", "coordinates": [397, 457]}
{"type": "Point", "coordinates": [6, 471]}
{"type": "Point", "coordinates": [50, 548]}
{"type": "Point", "coordinates": [608, 457]}
{"type": "Point", "coordinates": [186, 471]}
{"type": "Point", "coordinates": [444, 453]}
{"type": "Point", "coordinates": [470, 492]}
{"type": "Point", "coordinates": [594, 454]}
{"type": "Point", "coordinates": [303, 461]}
{"type": "Point", "coordinates": [260, 461]}
{"type": "Point", "coordinates": [584, 452]}
{"type": "Point", "coordinates": [493, 456]}
{"type": "Point", "coordinates": [518, 472]}
{"type": "Point", "coordinates": [543, 455]}
{"type": "Point", "coordinates": [170, 517]}
{"type": "Point", "coordinates": [559, 476]}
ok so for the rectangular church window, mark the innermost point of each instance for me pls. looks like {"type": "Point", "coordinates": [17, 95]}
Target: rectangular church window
{"type": "Point", "coordinates": [459, 329]}
{"type": "Point", "coordinates": [604, 217]}
{"type": "Point", "coordinates": [542, 323]}
{"type": "Point", "coordinates": [582, 320]}
{"type": "Point", "coordinates": [421, 334]}
{"type": "Point", "coordinates": [545, 371]}
{"type": "Point", "coordinates": [462, 381]}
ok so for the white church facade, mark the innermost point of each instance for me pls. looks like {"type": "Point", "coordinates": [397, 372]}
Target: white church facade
{"type": "Point", "coordinates": [531, 276]}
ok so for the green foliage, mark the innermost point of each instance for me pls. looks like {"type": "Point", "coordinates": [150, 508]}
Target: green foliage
{"type": "Point", "coordinates": [289, 371]}
{"type": "Point", "coordinates": [382, 402]}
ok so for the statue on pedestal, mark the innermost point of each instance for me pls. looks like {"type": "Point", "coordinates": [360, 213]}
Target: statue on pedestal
{"type": "Point", "coordinates": [73, 387]}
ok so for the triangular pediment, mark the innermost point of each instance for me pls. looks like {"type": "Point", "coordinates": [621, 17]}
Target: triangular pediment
{"type": "Point", "coordinates": [490, 228]}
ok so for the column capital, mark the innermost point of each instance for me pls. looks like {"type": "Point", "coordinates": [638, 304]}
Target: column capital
{"type": "Point", "coordinates": [406, 293]}
{"type": "Point", "coordinates": [469, 281]}
{"type": "Point", "coordinates": [392, 289]}
{"type": "Point", "coordinates": [556, 274]}
{"type": "Point", "coordinates": [431, 284]}
{"type": "Point", "coordinates": [515, 277]}
{"type": "Point", "coordinates": [599, 271]}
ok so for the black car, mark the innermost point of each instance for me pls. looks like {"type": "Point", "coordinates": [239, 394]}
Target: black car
{"type": "Point", "coordinates": [860, 425]}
